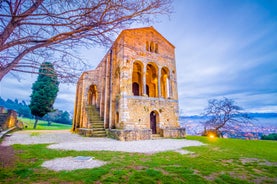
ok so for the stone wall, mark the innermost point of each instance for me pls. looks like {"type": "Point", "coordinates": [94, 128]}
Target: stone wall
{"type": "Point", "coordinates": [138, 109]}
{"type": "Point", "coordinates": [173, 132]}
{"type": "Point", "coordinates": [130, 135]}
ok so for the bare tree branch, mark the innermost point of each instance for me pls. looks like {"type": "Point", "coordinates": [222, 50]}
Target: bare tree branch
{"type": "Point", "coordinates": [35, 31]}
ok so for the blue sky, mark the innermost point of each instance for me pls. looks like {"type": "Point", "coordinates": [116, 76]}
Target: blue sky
{"type": "Point", "coordinates": [224, 48]}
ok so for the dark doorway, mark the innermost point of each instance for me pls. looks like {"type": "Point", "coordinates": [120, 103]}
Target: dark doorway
{"type": "Point", "coordinates": [136, 89]}
{"type": "Point", "coordinates": [153, 122]}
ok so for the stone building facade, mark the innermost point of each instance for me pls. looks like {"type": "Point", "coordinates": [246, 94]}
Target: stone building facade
{"type": "Point", "coordinates": [134, 89]}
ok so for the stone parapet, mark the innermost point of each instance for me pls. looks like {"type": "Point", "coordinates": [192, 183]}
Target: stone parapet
{"type": "Point", "coordinates": [85, 132]}
{"type": "Point", "coordinates": [91, 132]}
{"type": "Point", "coordinates": [173, 132]}
{"type": "Point", "coordinates": [130, 135]}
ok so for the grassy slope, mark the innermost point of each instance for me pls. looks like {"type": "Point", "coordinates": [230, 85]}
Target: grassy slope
{"type": "Point", "coordinates": [43, 125]}
{"type": "Point", "coordinates": [220, 161]}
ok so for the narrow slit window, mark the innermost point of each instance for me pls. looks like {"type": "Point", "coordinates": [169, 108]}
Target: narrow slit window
{"type": "Point", "coordinates": [151, 47]}
{"type": "Point", "coordinates": [156, 48]}
{"type": "Point", "coordinates": [147, 45]}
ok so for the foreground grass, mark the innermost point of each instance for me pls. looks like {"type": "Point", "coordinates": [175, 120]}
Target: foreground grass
{"type": "Point", "coordinates": [219, 161]}
{"type": "Point", "coordinates": [43, 125]}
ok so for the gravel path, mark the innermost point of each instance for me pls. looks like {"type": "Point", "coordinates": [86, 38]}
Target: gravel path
{"type": "Point", "coordinates": [64, 140]}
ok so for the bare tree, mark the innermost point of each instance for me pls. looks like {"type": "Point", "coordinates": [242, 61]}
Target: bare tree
{"type": "Point", "coordinates": [35, 31]}
{"type": "Point", "coordinates": [224, 115]}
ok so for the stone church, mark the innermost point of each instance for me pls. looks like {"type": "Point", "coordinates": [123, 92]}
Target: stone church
{"type": "Point", "coordinates": [132, 93]}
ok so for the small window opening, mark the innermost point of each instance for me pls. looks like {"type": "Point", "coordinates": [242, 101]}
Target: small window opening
{"type": "Point", "coordinates": [156, 48]}
{"type": "Point", "coordinates": [147, 45]}
{"type": "Point", "coordinates": [151, 47]}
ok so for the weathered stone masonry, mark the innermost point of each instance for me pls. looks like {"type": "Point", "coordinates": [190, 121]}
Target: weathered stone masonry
{"type": "Point", "coordinates": [134, 87]}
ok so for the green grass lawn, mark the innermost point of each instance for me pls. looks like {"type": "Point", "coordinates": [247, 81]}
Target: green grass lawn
{"type": "Point", "coordinates": [219, 161]}
{"type": "Point", "coordinates": [43, 125]}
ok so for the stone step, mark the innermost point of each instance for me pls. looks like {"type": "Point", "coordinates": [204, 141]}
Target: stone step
{"type": "Point", "coordinates": [91, 132]}
{"type": "Point", "coordinates": [96, 119]}
{"type": "Point", "coordinates": [156, 136]}
{"type": "Point", "coordinates": [94, 114]}
{"type": "Point", "coordinates": [96, 122]}
{"type": "Point", "coordinates": [97, 126]}
{"type": "Point", "coordinates": [98, 129]}
{"type": "Point", "coordinates": [100, 135]}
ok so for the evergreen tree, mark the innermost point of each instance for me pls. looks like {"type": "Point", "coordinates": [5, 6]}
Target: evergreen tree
{"type": "Point", "coordinates": [45, 91]}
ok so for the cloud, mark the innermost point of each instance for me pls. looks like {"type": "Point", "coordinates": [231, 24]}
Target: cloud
{"type": "Point", "coordinates": [223, 48]}
{"type": "Point", "coordinates": [12, 88]}
{"type": "Point", "coordinates": [225, 52]}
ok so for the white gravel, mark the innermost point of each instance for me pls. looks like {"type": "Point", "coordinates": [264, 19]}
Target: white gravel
{"type": "Point", "coordinates": [144, 146]}
{"type": "Point", "coordinates": [64, 140]}
{"type": "Point", "coordinates": [69, 164]}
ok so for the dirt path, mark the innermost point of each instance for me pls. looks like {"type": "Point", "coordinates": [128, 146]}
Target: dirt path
{"type": "Point", "coordinates": [7, 156]}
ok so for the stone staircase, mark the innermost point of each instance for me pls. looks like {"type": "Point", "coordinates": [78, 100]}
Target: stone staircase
{"type": "Point", "coordinates": [95, 124]}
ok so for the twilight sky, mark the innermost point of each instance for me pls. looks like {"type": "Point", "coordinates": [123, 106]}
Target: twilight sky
{"type": "Point", "coordinates": [224, 48]}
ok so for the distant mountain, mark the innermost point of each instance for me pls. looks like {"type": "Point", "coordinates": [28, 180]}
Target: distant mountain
{"type": "Point", "coordinates": [263, 115]}
{"type": "Point", "coordinates": [259, 120]}
{"type": "Point", "coordinates": [253, 115]}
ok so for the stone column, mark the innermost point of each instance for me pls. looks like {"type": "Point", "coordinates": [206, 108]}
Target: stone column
{"type": "Point", "coordinates": [170, 85]}
{"type": "Point", "coordinates": [159, 82]}
{"type": "Point", "coordinates": [144, 80]}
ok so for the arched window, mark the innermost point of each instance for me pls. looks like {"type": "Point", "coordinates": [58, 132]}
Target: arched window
{"type": "Point", "coordinates": [165, 82]}
{"type": "Point", "coordinates": [152, 80]}
{"type": "Point", "coordinates": [137, 78]}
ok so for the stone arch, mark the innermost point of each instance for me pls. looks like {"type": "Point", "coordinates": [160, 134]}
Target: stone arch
{"type": "Point", "coordinates": [165, 82]}
{"type": "Point", "coordinates": [152, 79]}
{"type": "Point", "coordinates": [137, 83]}
{"type": "Point", "coordinates": [92, 95]}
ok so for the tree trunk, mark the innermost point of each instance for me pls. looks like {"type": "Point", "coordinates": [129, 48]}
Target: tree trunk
{"type": "Point", "coordinates": [35, 125]}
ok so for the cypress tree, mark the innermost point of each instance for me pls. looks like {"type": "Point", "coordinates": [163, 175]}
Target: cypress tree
{"type": "Point", "coordinates": [45, 91]}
